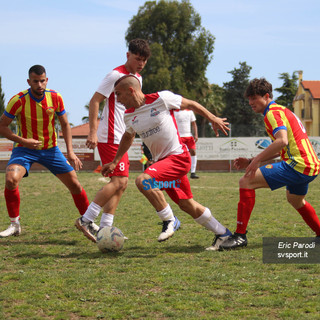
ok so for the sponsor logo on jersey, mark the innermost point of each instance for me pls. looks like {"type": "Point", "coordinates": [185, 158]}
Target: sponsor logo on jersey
{"type": "Point", "coordinates": [135, 120]}
{"type": "Point", "coordinates": [269, 166]}
{"type": "Point", "coordinates": [150, 132]}
{"type": "Point", "coordinates": [154, 184]}
{"type": "Point", "coordinates": [154, 112]}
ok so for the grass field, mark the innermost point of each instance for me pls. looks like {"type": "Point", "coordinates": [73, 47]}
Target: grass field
{"type": "Point", "coordinates": [53, 272]}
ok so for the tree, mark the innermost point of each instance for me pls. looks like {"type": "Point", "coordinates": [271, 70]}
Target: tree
{"type": "Point", "coordinates": [213, 97]}
{"type": "Point", "coordinates": [2, 104]}
{"type": "Point", "coordinates": [288, 89]}
{"type": "Point", "coordinates": [85, 119]}
{"type": "Point", "coordinates": [243, 120]}
{"type": "Point", "coordinates": [12, 125]}
{"type": "Point", "coordinates": [181, 48]}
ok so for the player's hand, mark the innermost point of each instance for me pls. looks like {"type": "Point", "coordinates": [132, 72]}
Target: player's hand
{"type": "Point", "coordinates": [32, 144]}
{"type": "Point", "coordinates": [108, 168]}
{"type": "Point", "coordinates": [241, 163]}
{"type": "Point", "coordinates": [220, 124]}
{"type": "Point", "coordinates": [92, 140]}
{"type": "Point", "coordinates": [74, 161]}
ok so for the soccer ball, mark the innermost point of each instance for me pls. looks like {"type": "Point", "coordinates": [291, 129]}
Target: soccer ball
{"type": "Point", "coordinates": [110, 239]}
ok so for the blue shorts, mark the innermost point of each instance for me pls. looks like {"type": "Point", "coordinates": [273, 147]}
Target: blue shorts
{"type": "Point", "coordinates": [52, 159]}
{"type": "Point", "coordinates": [280, 174]}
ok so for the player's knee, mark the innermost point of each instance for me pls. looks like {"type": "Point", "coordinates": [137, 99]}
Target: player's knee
{"type": "Point", "coordinates": [295, 201]}
{"type": "Point", "coordinates": [11, 183]}
{"type": "Point", "coordinates": [75, 186]}
{"type": "Point", "coordinates": [120, 183]}
{"type": "Point", "coordinates": [244, 183]}
{"type": "Point", "coordinates": [140, 181]}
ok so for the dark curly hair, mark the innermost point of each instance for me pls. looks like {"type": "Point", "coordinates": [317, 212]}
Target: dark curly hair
{"type": "Point", "coordinates": [260, 87]}
{"type": "Point", "coordinates": [140, 47]}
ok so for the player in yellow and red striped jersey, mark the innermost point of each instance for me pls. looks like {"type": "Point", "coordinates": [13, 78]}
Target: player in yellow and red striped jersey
{"type": "Point", "coordinates": [299, 166]}
{"type": "Point", "coordinates": [35, 117]}
{"type": "Point", "coordinates": [36, 141]}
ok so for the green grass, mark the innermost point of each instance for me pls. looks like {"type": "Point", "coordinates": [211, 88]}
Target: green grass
{"type": "Point", "coordinates": [53, 272]}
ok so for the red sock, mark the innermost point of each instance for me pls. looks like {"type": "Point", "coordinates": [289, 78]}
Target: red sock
{"type": "Point", "coordinates": [245, 207]}
{"type": "Point", "coordinates": [81, 201]}
{"type": "Point", "coordinates": [310, 217]}
{"type": "Point", "coordinates": [13, 202]}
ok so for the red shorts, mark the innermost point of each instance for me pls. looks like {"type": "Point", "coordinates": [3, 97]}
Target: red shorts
{"type": "Point", "coordinates": [189, 142]}
{"type": "Point", "coordinates": [107, 152]}
{"type": "Point", "coordinates": [173, 170]}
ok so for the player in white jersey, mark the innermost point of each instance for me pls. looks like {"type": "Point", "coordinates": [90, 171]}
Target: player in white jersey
{"type": "Point", "coordinates": [107, 138]}
{"type": "Point", "coordinates": [185, 120]}
{"type": "Point", "coordinates": [151, 117]}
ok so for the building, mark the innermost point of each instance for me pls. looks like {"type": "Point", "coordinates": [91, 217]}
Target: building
{"type": "Point", "coordinates": [78, 132]}
{"type": "Point", "coordinates": [306, 105]}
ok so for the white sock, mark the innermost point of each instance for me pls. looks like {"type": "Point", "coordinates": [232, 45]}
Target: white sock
{"type": "Point", "coordinates": [15, 220]}
{"type": "Point", "coordinates": [92, 212]}
{"type": "Point", "coordinates": [106, 220]}
{"type": "Point", "coordinates": [166, 214]}
{"type": "Point", "coordinates": [193, 164]}
{"type": "Point", "coordinates": [208, 221]}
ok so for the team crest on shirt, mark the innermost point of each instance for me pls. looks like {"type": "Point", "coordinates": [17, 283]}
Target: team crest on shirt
{"type": "Point", "coordinates": [50, 111]}
{"type": "Point", "coordinates": [269, 166]}
{"type": "Point", "coordinates": [154, 112]}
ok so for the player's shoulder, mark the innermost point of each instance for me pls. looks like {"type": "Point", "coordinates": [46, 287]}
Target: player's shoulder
{"type": "Point", "coordinates": [151, 97]}
{"type": "Point", "coordinates": [18, 96]}
{"type": "Point", "coordinates": [51, 91]}
{"type": "Point", "coordinates": [166, 94]}
{"type": "Point", "coordinates": [122, 71]}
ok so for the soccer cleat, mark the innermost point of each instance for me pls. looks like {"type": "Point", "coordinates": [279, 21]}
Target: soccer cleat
{"type": "Point", "coordinates": [193, 176]}
{"type": "Point", "coordinates": [94, 229]}
{"type": "Point", "coordinates": [168, 229]}
{"type": "Point", "coordinates": [13, 230]}
{"type": "Point", "coordinates": [87, 229]}
{"type": "Point", "coordinates": [218, 240]}
{"type": "Point", "coordinates": [237, 240]}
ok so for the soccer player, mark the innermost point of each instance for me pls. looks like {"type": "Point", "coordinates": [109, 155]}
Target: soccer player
{"type": "Point", "coordinates": [151, 117]}
{"type": "Point", "coordinates": [36, 141]}
{"type": "Point", "coordinates": [185, 120]}
{"type": "Point", "coordinates": [298, 167]}
{"type": "Point", "coordinates": [107, 137]}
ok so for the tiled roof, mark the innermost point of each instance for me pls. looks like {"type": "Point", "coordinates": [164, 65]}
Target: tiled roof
{"type": "Point", "coordinates": [313, 87]}
{"type": "Point", "coordinates": [81, 130]}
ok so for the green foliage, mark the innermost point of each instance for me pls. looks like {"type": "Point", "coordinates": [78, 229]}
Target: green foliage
{"type": "Point", "coordinates": [181, 48]}
{"type": "Point", "coordinates": [51, 271]}
{"type": "Point", "coordinates": [85, 119]}
{"type": "Point", "coordinates": [288, 90]}
{"type": "Point", "coordinates": [2, 104]}
{"type": "Point", "coordinates": [244, 121]}
{"type": "Point", "coordinates": [212, 97]}
{"type": "Point", "coordinates": [12, 125]}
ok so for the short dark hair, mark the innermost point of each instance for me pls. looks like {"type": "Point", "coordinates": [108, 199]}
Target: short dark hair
{"type": "Point", "coordinates": [260, 87]}
{"type": "Point", "coordinates": [37, 69]}
{"type": "Point", "coordinates": [140, 47]}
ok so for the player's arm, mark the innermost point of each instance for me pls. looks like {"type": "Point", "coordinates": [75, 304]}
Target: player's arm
{"type": "Point", "coordinates": [92, 139]}
{"type": "Point", "coordinates": [10, 135]}
{"type": "Point", "coordinates": [217, 123]}
{"type": "Point", "coordinates": [125, 144]}
{"type": "Point", "coordinates": [66, 131]}
{"type": "Point", "coordinates": [271, 152]}
{"type": "Point", "coordinates": [195, 130]}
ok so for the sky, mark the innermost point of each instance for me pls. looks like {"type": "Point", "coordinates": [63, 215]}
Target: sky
{"type": "Point", "coordinates": [80, 41]}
